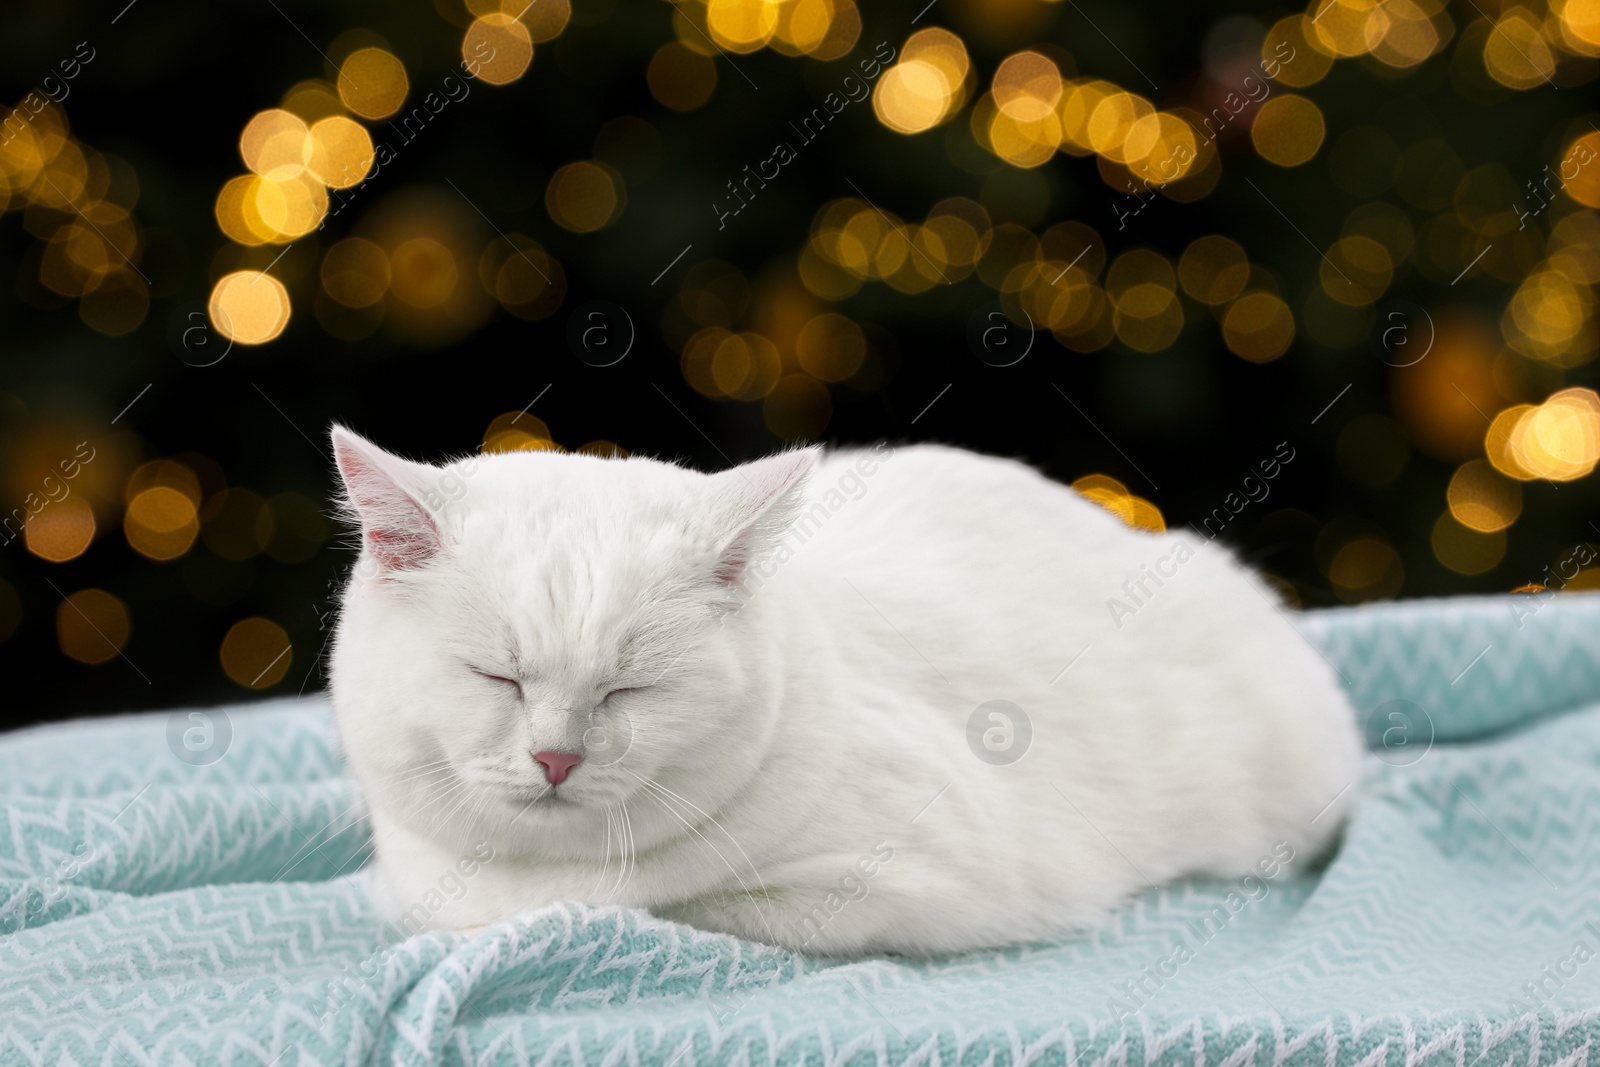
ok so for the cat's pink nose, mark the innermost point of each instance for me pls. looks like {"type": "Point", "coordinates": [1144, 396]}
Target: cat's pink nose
{"type": "Point", "coordinates": [557, 765]}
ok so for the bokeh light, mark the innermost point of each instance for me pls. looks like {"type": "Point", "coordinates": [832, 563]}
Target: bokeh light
{"type": "Point", "coordinates": [249, 307]}
{"type": "Point", "coordinates": [340, 153]}
{"type": "Point", "coordinates": [680, 77]}
{"type": "Point", "coordinates": [1287, 130]}
{"type": "Point", "coordinates": [1366, 568]}
{"type": "Point", "coordinates": [1482, 498]}
{"type": "Point", "coordinates": [61, 531]}
{"type": "Point", "coordinates": [372, 83]}
{"type": "Point", "coordinates": [161, 523]}
{"type": "Point", "coordinates": [256, 653]}
{"type": "Point", "coordinates": [355, 272]}
{"type": "Point", "coordinates": [1112, 495]}
{"type": "Point", "coordinates": [1258, 327]}
{"type": "Point", "coordinates": [584, 197]}
{"type": "Point", "coordinates": [506, 42]}
{"type": "Point", "coordinates": [92, 626]}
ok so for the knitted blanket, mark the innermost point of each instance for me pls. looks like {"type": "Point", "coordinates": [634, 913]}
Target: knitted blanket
{"type": "Point", "coordinates": [187, 889]}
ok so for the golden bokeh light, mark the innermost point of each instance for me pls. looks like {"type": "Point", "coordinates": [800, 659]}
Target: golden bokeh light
{"type": "Point", "coordinates": [1516, 54]}
{"type": "Point", "coordinates": [584, 197]}
{"type": "Point", "coordinates": [92, 626]}
{"type": "Point", "coordinates": [236, 213]}
{"type": "Point", "coordinates": [1366, 568]}
{"type": "Point", "coordinates": [830, 347]}
{"type": "Point", "coordinates": [60, 532]}
{"type": "Point", "coordinates": [165, 473]}
{"type": "Point", "coordinates": [741, 25]}
{"type": "Point", "coordinates": [372, 83]}
{"type": "Point", "coordinates": [161, 523]}
{"type": "Point", "coordinates": [803, 26]}
{"type": "Point", "coordinates": [340, 153]}
{"type": "Point", "coordinates": [275, 144]}
{"type": "Point", "coordinates": [1113, 120]}
{"type": "Point", "coordinates": [1339, 27]}
{"type": "Point", "coordinates": [943, 50]}
{"type": "Point", "coordinates": [1112, 495]}
{"type": "Point", "coordinates": [423, 272]}
{"type": "Point", "coordinates": [681, 78]}
{"type": "Point", "coordinates": [746, 366]}
{"type": "Point", "coordinates": [1258, 327]}
{"type": "Point", "coordinates": [1297, 37]}
{"type": "Point", "coordinates": [507, 43]}
{"type": "Point", "coordinates": [287, 208]}
{"type": "Point", "coordinates": [1464, 549]}
{"type": "Point", "coordinates": [1142, 288]}
{"type": "Point", "coordinates": [518, 431]}
{"type": "Point", "coordinates": [1287, 130]}
{"type": "Point", "coordinates": [1558, 440]}
{"type": "Point", "coordinates": [355, 272]}
{"type": "Point", "coordinates": [912, 96]}
{"type": "Point", "coordinates": [1443, 399]}
{"type": "Point", "coordinates": [519, 273]}
{"type": "Point", "coordinates": [545, 19]}
{"type": "Point", "coordinates": [313, 99]}
{"type": "Point", "coordinates": [1580, 25]}
{"type": "Point", "coordinates": [249, 307]}
{"type": "Point", "coordinates": [1401, 34]}
{"type": "Point", "coordinates": [1356, 270]}
{"type": "Point", "coordinates": [1027, 86]}
{"type": "Point", "coordinates": [1213, 269]}
{"type": "Point", "coordinates": [1482, 498]}
{"type": "Point", "coordinates": [256, 653]}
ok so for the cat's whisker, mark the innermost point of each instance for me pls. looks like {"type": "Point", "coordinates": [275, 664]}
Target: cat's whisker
{"type": "Point", "coordinates": [437, 791]}
{"type": "Point", "coordinates": [416, 770]}
{"type": "Point", "coordinates": [605, 853]}
{"type": "Point", "coordinates": [448, 793]}
{"type": "Point", "coordinates": [630, 849]}
{"type": "Point", "coordinates": [687, 825]}
{"type": "Point", "coordinates": [707, 816]}
{"type": "Point", "coordinates": [358, 857]}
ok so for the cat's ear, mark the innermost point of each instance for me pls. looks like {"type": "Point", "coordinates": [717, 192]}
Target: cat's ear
{"type": "Point", "coordinates": [395, 526]}
{"type": "Point", "coordinates": [755, 504]}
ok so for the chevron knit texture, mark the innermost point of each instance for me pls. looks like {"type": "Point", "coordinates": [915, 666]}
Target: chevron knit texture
{"type": "Point", "coordinates": [157, 912]}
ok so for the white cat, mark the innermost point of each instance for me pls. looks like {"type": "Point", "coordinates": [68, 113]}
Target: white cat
{"type": "Point", "coordinates": [759, 701]}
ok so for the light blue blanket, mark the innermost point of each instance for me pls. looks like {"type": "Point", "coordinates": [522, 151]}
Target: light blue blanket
{"type": "Point", "coordinates": [158, 911]}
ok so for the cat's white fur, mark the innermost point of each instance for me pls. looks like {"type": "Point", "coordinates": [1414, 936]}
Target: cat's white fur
{"type": "Point", "coordinates": [806, 639]}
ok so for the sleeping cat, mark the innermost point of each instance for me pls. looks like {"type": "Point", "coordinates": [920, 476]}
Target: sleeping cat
{"type": "Point", "coordinates": [909, 700]}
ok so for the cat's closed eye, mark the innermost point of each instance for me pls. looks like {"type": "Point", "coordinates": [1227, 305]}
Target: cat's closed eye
{"type": "Point", "coordinates": [620, 692]}
{"type": "Point", "coordinates": [502, 679]}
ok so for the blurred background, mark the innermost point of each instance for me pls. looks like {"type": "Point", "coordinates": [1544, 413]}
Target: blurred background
{"type": "Point", "coordinates": [1318, 283]}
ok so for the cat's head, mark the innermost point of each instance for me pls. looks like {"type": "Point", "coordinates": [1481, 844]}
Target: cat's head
{"type": "Point", "coordinates": [530, 637]}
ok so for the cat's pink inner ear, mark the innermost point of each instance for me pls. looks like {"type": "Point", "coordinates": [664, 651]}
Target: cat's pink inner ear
{"type": "Point", "coordinates": [763, 498]}
{"type": "Point", "coordinates": [395, 526]}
